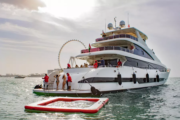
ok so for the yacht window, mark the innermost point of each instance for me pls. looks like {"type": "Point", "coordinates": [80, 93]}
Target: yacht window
{"type": "Point", "coordinates": [122, 35]}
{"type": "Point", "coordinates": [101, 48]}
{"type": "Point", "coordinates": [111, 62]}
{"type": "Point", "coordinates": [116, 36]}
{"type": "Point", "coordinates": [140, 51]}
{"type": "Point", "coordinates": [117, 48]}
{"type": "Point", "coordinates": [128, 36]}
{"type": "Point", "coordinates": [131, 62]}
{"type": "Point", "coordinates": [109, 48]}
{"type": "Point", "coordinates": [142, 64]}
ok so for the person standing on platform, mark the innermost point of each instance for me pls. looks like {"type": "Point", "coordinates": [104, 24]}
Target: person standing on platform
{"type": "Point", "coordinates": [46, 78]}
{"type": "Point", "coordinates": [69, 81]}
{"type": "Point", "coordinates": [102, 63]}
{"type": "Point", "coordinates": [119, 63]}
{"type": "Point", "coordinates": [64, 82]}
{"type": "Point", "coordinates": [57, 81]}
{"type": "Point", "coordinates": [68, 65]}
{"type": "Point", "coordinates": [95, 64]}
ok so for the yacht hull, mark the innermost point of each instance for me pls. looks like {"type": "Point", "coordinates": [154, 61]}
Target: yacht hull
{"type": "Point", "coordinates": [105, 80]}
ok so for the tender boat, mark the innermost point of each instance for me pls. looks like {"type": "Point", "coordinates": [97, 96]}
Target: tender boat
{"type": "Point", "coordinates": [140, 66]}
{"type": "Point", "coordinates": [19, 76]}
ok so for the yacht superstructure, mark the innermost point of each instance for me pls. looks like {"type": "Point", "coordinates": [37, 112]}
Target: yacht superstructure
{"type": "Point", "coordinates": [140, 66]}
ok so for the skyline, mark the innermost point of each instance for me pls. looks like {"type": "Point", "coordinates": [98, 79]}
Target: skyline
{"type": "Point", "coordinates": [32, 32]}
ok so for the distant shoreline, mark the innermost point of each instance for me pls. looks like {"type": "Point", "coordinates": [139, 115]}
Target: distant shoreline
{"type": "Point", "coordinates": [24, 76]}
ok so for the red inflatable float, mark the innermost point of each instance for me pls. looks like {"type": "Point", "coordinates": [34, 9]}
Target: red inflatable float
{"type": "Point", "coordinates": [98, 103]}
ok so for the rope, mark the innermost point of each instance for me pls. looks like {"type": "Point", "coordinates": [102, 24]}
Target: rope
{"type": "Point", "coordinates": [81, 85]}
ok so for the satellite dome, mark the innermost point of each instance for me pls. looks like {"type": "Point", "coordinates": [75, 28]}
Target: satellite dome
{"type": "Point", "coordinates": [110, 26]}
{"type": "Point", "coordinates": [122, 24]}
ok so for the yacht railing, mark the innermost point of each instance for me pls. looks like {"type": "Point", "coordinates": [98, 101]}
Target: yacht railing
{"type": "Point", "coordinates": [107, 48]}
{"type": "Point", "coordinates": [117, 36]}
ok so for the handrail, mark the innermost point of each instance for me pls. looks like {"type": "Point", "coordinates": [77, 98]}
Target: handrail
{"type": "Point", "coordinates": [106, 48]}
{"type": "Point", "coordinates": [117, 36]}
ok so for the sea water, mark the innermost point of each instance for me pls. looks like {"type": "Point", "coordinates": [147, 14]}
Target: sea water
{"type": "Point", "coordinates": [153, 103]}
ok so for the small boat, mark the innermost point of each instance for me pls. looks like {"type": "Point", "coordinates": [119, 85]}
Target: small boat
{"type": "Point", "coordinates": [94, 107]}
{"type": "Point", "coordinates": [19, 76]}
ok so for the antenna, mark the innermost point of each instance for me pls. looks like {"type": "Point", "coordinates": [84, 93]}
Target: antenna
{"type": "Point", "coordinates": [128, 20]}
{"type": "Point", "coordinates": [115, 21]}
{"type": "Point", "coordinates": [105, 25]}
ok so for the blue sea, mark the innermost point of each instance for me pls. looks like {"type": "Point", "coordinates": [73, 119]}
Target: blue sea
{"type": "Point", "coordinates": [153, 103]}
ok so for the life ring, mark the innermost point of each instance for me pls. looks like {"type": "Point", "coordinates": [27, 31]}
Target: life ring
{"type": "Point", "coordinates": [134, 78]}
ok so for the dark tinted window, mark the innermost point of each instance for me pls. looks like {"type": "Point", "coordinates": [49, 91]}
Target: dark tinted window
{"type": "Point", "coordinates": [142, 64]}
{"type": "Point", "coordinates": [109, 48]}
{"type": "Point", "coordinates": [122, 35]}
{"type": "Point", "coordinates": [131, 63]}
{"type": "Point", "coordinates": [128, 36]}
{"type": "Point", "coordinates": [112, 62]}
{"type": "Point", "coordinates": [101, 48]}
{"type": "Point", "coordinates": [116, 36]}
{"type": "Point", "coordinates": [141, 52]}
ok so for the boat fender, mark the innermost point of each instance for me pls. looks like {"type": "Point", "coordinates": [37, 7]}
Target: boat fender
{"type": "Point", "coordinates": [119, 79]}
{"type": "Point", "coordinates": [134, 78]}
{"type": "Point", "coordinates": [157, 78]}
{"type": "Point", "coordinates": [147, 77]}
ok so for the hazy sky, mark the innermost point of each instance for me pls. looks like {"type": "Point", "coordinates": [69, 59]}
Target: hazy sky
{"type": "Point", "coordinates": [32, 31]}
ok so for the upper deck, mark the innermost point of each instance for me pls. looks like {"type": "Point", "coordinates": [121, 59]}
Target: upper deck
{"type": "Point", "coordinates": [130, 31]}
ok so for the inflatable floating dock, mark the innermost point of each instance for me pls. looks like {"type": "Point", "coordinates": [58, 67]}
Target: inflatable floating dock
{"type": "Point", "coordinates": [97, 104]}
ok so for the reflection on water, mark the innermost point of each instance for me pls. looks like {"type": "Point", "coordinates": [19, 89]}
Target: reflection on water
{"type": "Point", "coordinates": [149, 103]}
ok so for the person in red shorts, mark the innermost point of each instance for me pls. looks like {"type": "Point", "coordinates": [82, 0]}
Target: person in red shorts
{"type": "Point", "coordinates": [68, 65]}
{"type": "Point", "coordinates": [95, 64]}
{"type": "Point", "coordinates": [46, 78]}
{"type": "Point", "coordinates": [119, 63]}
{"type": "Point", "coordinates": [69, 82]}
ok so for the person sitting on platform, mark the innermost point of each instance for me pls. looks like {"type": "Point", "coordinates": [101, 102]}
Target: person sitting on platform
{"type": "Point", "coordinates": [69, 82]}
{"type": "Point", "coordinates": [95, 64]}
{"type": "Point", "coordinates": [77, 66]}
{"type": "Point", "coordinates": [119, 63]}
{"type": "Point", "coordinates": [46, 78]}
{"type": "Point", "coordinates": [81, 66]}
{"type": "Point", "coordinates": [85, 65]}
{"type": "Point", "coordinates": [68, 65]}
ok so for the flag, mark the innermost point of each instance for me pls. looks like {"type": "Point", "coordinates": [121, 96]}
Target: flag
{"type": "Point", "coordinates": [89, 47]}
{"type": "Point", "coordinates": [103, 34]}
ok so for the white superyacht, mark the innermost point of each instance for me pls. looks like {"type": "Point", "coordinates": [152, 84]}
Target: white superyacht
{"type": "Point", "coordinates": [140, 66]}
